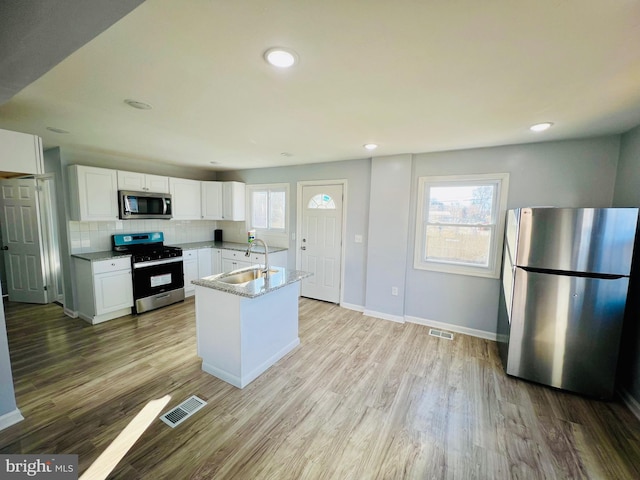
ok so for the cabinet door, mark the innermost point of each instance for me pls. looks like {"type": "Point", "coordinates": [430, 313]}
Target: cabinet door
{"type": "Point", "coordinates": [130, 181]}
{"type": "Point", "coordinates": [216, 261]}
{"type": "Point", "coordinates": [212, 200]}
{"type": "Point", "coordinates": [204, 262]}
{"type": "Point", "coordinates": [190, 267]}
{"type": "Point", "coordinates": [21, 152]}
{"type": "Point", "coordinates": [156, 183]}
{"type": "Point", "coordinates": [233, 201]}
{"type": "Point", "coordinates": [94, 193]}
{"type": "Point", "coordinates": [186, 199]}
{"type": "Point", "coordinates": [113, 291]}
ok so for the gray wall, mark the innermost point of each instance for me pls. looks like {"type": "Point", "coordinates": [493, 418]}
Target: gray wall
{"type": "Point", "coordinates": [627, 194]}
{"type": "Point", "coordinates": [358, 175]}
{"type": "Point", "coordinates": [388, 235]}
{"type": "Point", "coordinates": [7, 394]}
{"type": "Point", "coordinates": [578, 173]}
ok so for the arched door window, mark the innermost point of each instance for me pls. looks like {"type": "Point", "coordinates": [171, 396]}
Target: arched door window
{"type": "Point", "coordinates": [322, 200]}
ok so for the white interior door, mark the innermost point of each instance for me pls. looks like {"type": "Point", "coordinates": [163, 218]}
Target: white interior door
{"type": "Point", "coordinates": [22, 242]}
{"type": "Point", "coordinates": [321, 241]}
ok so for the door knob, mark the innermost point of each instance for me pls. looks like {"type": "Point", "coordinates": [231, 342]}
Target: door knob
{"type": "Point", "coordinates": [303, 248]}
{"type": "Point", "coordinates": [5, 248]}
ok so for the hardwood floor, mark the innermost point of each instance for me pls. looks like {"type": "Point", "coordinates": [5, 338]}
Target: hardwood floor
{"type": "Point", "coordinates": [360, 398]}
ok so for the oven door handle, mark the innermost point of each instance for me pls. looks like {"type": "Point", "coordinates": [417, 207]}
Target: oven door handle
{"type": "Point", "coordinates": [153, 263]}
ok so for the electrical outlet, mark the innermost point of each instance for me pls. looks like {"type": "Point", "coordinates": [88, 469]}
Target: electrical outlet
{"type": "Point", "coordinates": [394, 291]}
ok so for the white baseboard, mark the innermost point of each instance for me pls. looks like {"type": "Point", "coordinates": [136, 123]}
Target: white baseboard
{"type": "Point", "coordinates": [351, 306]}
{"type": "Point", "coordinates": [630, 402]}
{"type": "Point", "coordinates": [70, 313]}
{"type": "Point", "coordinates": [10, 418]}
{"type": "Point", "coordinates": [452, 328]}
{"type": "Point", "coordinates": [384, 316]}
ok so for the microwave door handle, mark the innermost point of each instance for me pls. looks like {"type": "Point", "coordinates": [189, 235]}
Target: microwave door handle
{"type": "Point", "coordinates": [164, 206]}
{"type": "Point", "coordinates": [127, 207]}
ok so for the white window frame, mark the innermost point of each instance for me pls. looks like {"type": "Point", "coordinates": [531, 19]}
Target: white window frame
{"type": "Point", "coordinates": [268, 187]}
{"type": "Point", "coordinates": [501, 181]}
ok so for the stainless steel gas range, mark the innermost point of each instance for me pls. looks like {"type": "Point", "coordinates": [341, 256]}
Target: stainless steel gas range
{"type": "Point", "coordinates": [158, 277]}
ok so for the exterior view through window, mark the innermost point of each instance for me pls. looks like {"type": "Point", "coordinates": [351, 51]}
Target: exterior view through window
{"type": "Point", "coordinates": [460, 222]}
{"type": "Point", "coordinates": [268, 207]}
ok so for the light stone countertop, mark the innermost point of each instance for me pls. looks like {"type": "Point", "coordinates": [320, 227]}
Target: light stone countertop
{"type": "Point", "coordinates": [98, 256]}
{"type": "Point", "coordinates": [241, 247]}
{"type": "Point", "coordinates": [254, 288]}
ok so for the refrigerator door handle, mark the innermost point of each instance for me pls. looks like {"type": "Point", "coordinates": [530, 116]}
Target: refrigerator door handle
{"type": "Point", "coordinates": [604, 276]}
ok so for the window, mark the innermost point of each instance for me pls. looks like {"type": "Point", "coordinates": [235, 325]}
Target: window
{"type": "Point", "coordinates": [322, 200]}
{"type": "Point", "coordinates": [268, 207]}
{"type": "Point", "coordinates": [460, 223]}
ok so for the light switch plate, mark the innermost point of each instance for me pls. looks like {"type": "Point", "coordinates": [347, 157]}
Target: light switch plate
{"type": "Point", "coordinates": [358, 239]}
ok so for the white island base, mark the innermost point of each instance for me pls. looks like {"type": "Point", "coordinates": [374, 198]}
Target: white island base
{"type": "Point", "coordinates": [239, 338]}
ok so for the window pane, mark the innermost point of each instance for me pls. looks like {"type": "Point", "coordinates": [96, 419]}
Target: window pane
{"type": "Point", "coordinates": [469, 204]}
{"type": "Point", "coordinates": [322, 200]}
{"type": "Point", "coordinates": [465, 245]}
{"type": "Point", "coordinates": [259, 210]}
{"type": "Point", "coordinates": [276, 210]}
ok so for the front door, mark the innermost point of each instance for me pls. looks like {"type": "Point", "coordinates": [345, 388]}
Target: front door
{"type": "Point", "coordinates": [22, 243]}
{"type": "Point", "coordinates": [321, 241]}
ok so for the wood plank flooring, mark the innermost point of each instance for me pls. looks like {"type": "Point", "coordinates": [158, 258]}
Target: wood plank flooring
{"type": "Point", "coordinates": [360, 398]}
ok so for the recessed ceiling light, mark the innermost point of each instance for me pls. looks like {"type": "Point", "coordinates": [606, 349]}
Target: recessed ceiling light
{"type": "Point", "coordinates": [370, 146]}
{"type": "Point", "coordinates": [57, 130]}
{"type": "Point", "coordinates": [214, 163]}
{"type": "Point", "coordinates": [540, 127]}
{"type": "Point", "coordinates": [137, 104]}
{"type": "Point", "coordinates": [287, 154]}
{"type": "Point", "coordinates": [281, 57]}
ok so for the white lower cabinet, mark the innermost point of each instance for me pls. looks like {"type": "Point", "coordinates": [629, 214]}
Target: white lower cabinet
{"type": "Point", "coordinates": [190, 266]}
{"type": "Point", "coordinates": [235, 259]}
{"type": "Point", "coordinates": [216, 261]}
{"type": "Point", "coordinates": [105, 288]}
{"type": "Point", "coordinates": [197, 263]}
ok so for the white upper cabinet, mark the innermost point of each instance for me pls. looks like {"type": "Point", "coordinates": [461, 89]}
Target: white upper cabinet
{"type": "Point", "coordinates": [21, 153]}
{"type": "Point", "coordinates": [142, 182]}
{"type": "Point", "coordinates": [233, 201]}
{"type": "Point", "coordinates": [211, 200]}
{"type": "Point", "coordinates": [186, 199]}
{"type": "Point", "coordinates": [93, 193]}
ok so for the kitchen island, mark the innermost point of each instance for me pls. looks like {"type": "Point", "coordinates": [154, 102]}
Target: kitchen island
{"type": "Point", "coordinates": [244, 327]}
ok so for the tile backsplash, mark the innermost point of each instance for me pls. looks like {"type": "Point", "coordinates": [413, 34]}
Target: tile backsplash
{"type": "Point", "coordinates": [96, 236]}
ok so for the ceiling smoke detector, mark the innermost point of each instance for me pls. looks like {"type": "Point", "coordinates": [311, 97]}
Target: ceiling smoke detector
{"type": "Point", "coordinates": [281, 57]}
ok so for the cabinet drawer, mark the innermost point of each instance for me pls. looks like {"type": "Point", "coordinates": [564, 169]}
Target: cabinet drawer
{"type": "Point", "coordinates": [233, 255]}
{"type": "Point", "coordinates": [103, 266]}
{"type": "Point", "coordinates": [189, 254]}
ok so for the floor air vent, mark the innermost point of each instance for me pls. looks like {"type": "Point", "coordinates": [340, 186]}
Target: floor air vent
{"type": "Point", "coordinates": [183, 411]}
{"type": "Point", "coordinates": [439, 333]}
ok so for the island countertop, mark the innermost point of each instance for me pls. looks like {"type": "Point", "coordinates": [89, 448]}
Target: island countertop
{"type": "Point", "coordinates": [280, 277]}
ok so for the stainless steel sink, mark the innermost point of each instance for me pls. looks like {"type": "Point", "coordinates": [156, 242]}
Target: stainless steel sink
{"type": "Point", "coordinates": [244, 277]}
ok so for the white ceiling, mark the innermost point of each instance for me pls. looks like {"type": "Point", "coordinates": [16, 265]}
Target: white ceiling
{"type": "Point", "coordinates": [412, 76]}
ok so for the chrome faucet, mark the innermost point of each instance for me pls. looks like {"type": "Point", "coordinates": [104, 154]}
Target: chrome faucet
{"type": "Point", "coordinates": [266, 254]}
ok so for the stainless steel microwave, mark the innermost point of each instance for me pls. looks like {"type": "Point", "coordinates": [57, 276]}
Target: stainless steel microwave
{"type": "Point", "coordinates": [142, 205]}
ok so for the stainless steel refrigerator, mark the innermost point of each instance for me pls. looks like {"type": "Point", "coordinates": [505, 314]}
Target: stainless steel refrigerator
{"type": "Point", "coordinates": [565, 282]}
